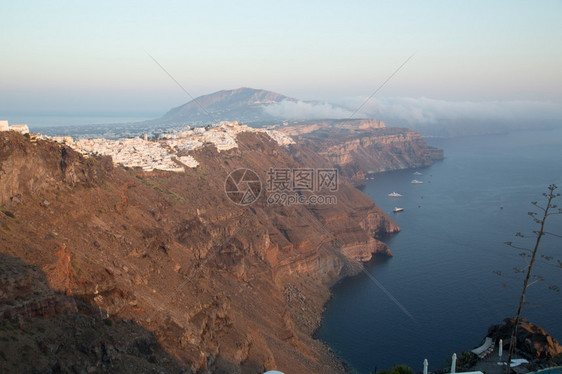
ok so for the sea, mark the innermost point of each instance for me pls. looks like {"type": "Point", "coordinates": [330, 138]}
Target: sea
{"type": "Point", "coordinates": [442, 280]}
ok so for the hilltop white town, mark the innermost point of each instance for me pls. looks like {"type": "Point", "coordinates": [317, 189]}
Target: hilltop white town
{"type": "Point", "coordinates": [168, 152]}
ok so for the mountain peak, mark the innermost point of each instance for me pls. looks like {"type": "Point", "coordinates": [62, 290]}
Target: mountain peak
{"type": "Point", "coordinates": [250, 106]}
{"type": "Point", "coordinates": [237, 104]}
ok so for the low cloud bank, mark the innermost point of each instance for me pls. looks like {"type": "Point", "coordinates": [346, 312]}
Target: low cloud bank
{"type": "Point", "coordinates": [303, 110]}
{"type": "Point", "coordinates": [426, 111]}
{"type": "Point", "coordinates": [421, 110]}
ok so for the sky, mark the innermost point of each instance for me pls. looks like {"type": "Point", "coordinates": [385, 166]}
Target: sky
{"type": "Point", "coordinates": [93, 57]}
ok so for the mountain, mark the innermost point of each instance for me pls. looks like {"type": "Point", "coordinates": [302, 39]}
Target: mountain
{"type": "Point", "coordinates": [242, 104]}
{"type": "Point", "coordinates": [249, 106]}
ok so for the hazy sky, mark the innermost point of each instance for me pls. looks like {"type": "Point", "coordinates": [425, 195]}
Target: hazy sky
{"type": "Point", "coordinates": [90, 56]}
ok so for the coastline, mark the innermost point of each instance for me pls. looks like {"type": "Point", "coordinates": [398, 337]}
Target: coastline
{"type": "Point", "coordinates": [347, 366]}
{"type": "Point", "coordinates": [461, 262]}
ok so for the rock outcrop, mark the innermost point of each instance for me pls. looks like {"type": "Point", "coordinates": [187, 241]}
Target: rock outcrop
{"type": "Point", "coordinates": [24, 293]}
{"type": "Point", "coordinates": [532, 341]}
{"type": "Point", "coordinates": [30, 168]}
{"type": "Point", "coordinates": [44, 331]}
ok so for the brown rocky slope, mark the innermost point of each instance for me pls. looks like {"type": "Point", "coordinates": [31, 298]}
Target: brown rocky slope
{"type": "Point", "coordinates": [43, 331]}
{"type": "Point", "coordinates": [223, 287]}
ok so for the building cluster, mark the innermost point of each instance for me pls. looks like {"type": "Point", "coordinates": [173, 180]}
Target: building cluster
{"type": "Point", "coordinates": [22, 129]}
{"type": "Point", "coordinates": [135, 152]}
{"type": "Point", "coordinates": [191, 139]}
{"type": "Point", "coordinates": [163, 153]}
{"type": "Point", "coordinates": [279, 137]}
{"type": "Point", "coordinates": [222, 135]}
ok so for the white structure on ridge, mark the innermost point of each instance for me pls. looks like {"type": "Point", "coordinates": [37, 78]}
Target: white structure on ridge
{"type": "Point", "coordinates": [279, 137]}
{"type": "Point", "coordinates": [188, 161]}
{"type": "Point", "coordinates": [22, 129]}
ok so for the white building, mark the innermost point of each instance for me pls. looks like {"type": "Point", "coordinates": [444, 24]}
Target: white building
{"type": "Point", "coordinates": [279, 137]}
{"type": "Point", "coordinates": [188, 161]}
{"type": "Point", "coordinates": [22, 129]}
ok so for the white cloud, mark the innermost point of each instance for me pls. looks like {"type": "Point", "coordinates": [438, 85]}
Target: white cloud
{"type": "Point", "coordinates": [305, 110]}
{"type": "Point", "coordinates": [428, 111]}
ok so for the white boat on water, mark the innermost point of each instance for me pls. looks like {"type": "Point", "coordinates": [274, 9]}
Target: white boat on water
{"type": "Point", "coordinates": [418, 173]}
{"type": "Point", "coordinates": [395, 194]}
{"type": "Point", "coordinates": [397, 209]}
{"type": "Point", "coordinates": [415, 181]}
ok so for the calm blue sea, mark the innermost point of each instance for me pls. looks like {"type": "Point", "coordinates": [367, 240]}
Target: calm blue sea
{"type": "Point", "coordinates": [451, 242]}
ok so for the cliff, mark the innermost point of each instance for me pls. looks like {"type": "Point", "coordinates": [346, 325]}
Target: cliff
{"type": "Point", "coordinates": [360, 147]}
{"type": "Point", "coordinates": [221, 286]}
{"type": "Point", "coordinates": [43, 331]}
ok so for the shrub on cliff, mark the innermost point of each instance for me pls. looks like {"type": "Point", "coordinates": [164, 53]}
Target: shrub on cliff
{"type": "Point", "coordinates": [7, 213]}
{"type": "Point", "coordinates": [398, 369]}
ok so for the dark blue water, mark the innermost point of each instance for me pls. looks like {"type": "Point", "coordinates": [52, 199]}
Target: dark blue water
{"type": "Point", "coordinates": [452, 238]}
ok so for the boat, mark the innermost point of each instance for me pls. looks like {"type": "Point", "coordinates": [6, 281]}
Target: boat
{"type": "Point", "coordinates": [397, 209]}
{"type": "Point", "coordinates": [394, 194]}
{"type": "Point", "coordinates": [415, 181]}
{"type": "Point", "coordinates": [418, 173]}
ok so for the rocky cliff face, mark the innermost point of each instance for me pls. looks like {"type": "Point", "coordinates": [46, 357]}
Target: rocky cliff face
{"type": "Point", "coordinates": [43, 331]}
{"type": "Point", "coordinates": [30, 168]}
{"type": "Point", "coordinates": [359, 147]}
{"type": "Point", "coordinates": [221, 286]}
